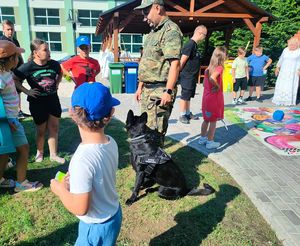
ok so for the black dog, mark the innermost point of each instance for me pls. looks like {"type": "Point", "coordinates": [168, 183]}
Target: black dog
{"type": "Point", "coordinates": [152, 165]}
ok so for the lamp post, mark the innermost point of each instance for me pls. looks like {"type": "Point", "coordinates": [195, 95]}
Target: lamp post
{"type": "Point", "coordinates": [73, 19]}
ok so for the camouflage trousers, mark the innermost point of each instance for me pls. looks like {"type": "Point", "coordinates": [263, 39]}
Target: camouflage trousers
{"type": "Point", "coordinates": [158, 116]}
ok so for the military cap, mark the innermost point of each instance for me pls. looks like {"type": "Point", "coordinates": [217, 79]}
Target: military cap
{"type": "Point", "coordinates": [147, 3]}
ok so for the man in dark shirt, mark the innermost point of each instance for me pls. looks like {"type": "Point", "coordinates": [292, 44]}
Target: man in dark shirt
{"type": "Point", "coordinates": [8, 29]}
{"type": "Point", "coordinates": [189, 67]}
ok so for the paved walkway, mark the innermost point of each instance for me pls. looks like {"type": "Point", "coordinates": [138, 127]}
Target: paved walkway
{"type": "Point", "coordinates": [271, 181]}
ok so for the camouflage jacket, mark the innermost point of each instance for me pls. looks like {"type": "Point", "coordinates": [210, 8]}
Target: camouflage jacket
{"type": "Point", "coordinates": [162, 43]}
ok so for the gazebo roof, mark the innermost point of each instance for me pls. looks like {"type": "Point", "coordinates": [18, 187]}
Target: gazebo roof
{"type": "Point", "coordinates": [215, 15]}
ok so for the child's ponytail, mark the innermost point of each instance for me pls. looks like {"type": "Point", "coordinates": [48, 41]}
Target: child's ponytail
{"type": "Point", "coordinates": [35, 45]}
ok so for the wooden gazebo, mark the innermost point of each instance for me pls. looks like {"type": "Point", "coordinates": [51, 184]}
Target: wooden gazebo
{"type": "Point", "coordinates": [220, 15]}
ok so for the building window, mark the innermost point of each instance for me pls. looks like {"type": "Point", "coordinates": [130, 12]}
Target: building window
{"type": "Point", "coordinates": [7, 13]}
{"type": "Point", "coordinates": [88, 17]}
{"type": "Point", "coordinates": [49, 17]}
{"type": "Point", "coordinates": [96, 41]}
{"type": "Point", "coordinates": [131, 42]}
{"type": "Point", "coordinates": [52, 38]}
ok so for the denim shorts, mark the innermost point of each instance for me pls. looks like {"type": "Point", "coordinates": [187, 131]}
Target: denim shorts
{"type": "Point", "coordinates": [105, 234]}
{"type": "Point", "coordinates": [19, 137]}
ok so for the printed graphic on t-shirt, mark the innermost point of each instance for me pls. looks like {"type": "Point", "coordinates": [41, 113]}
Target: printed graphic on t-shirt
{"type": "Point", "coordinates": [83, 70]}
{"type": "Point", "coordinates": [46, 80]}
{"type": "Point", "coordinates": [88, 72]}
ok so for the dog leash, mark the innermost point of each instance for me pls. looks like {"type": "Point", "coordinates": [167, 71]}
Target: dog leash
{"type": "Point", "coordinates": [224, 123]}
{"type": "Point", "coordinates": [155, 101]}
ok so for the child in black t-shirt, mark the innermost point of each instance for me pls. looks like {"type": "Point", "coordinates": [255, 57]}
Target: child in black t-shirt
{"type": "Point", "coordinates": [43, 75]}
{"type": "Point", "coordinates": [189, 67]}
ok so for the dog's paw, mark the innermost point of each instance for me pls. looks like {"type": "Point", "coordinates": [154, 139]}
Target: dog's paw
{"type": "Point", "coordinates": [129, 202]}
{"type": "Point", "coordinates": [208, 187]}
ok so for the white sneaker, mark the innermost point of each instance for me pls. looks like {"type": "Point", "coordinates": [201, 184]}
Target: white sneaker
{"type": "Point", "coordinates": [212, 144]}
{"type": "Point", "coordinates": [57, 159]}
{"type": "Point", "coordinates": [240, 100]}
{"type": "Point", "coordinates": [202, 140]}
{"type": "Point", "coordinates": [234, 101]}
{"type": "Point", "coordinates": [39, 157]}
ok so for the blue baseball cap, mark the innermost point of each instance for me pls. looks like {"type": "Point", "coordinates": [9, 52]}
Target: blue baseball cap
{"type": "Point", "coordinates": [82, 40]}
{"type": "Point", "coordinates": [95, 99]}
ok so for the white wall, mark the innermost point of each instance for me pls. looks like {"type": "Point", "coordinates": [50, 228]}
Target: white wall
{"type": "Point", "coordinates": [46, 4]}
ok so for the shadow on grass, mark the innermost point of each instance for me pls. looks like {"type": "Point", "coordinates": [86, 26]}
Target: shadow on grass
{"type": "Point", "coordinates": [63, 236]}
{"type": "Point", "coordinates": [68, 141]}
{"type": "Point", "coordinates": [188, 160]}
{"type": "Point", "coordinates": [69, 138]}
{"type": "Point", "coordinates": [195, 225]}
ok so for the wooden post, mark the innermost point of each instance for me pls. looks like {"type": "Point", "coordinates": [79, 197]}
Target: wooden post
{"type": "Point", "coordinates": [105, 36]}
{"type": "Point", "coordinates": [228, 34]}
{"type": "Point", "coordinates": [206, 42]}
{"type": "Point", "coordinates": [110, 39]}
{"type": "Point", "coordinates": [104, 44]}
{"type": "Point", "coordinates": [257, 34]}
{"type": "Point", "coordinates": [116, 36]}
{"type": "Point", "coordinates": [256, 30]}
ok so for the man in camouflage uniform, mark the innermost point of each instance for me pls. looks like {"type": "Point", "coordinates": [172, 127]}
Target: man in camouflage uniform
{"type": "Point", "coordinates": [159, 66]}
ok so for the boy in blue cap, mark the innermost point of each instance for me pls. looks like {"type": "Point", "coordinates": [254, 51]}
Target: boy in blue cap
{"type": "Point", "coordinates": [89, 188]}
{"type": "Point", "coordinates": [81, 68]}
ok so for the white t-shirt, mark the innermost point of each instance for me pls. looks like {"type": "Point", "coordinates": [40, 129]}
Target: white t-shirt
{"type": "Point", "coordinates": [240, 65]}
{"type": "Point", "coordinates": [93, 169]}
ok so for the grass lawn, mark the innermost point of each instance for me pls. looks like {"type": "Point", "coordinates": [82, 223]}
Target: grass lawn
{"type": "Point", "coordinates": [225, 218]}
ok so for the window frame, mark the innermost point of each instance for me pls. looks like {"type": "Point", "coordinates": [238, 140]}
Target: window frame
{"type": "Point", "coordinates": [47, 17]}
{"type": "Point", "coordinates": [90, 18]}
{"type": "Point", "coordinates": [52, 42]}
{"type": "Point", "coordinates": [7, 17]}
{"type": "Point", "coordinates": [131, 44]}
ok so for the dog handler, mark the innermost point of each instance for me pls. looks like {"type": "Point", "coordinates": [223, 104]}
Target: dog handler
{"type": "Point", "coordinates": [159, 66]}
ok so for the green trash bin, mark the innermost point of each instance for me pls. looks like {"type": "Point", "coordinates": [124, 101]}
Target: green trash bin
{"type": "Point", "coordinates": [115, 77]}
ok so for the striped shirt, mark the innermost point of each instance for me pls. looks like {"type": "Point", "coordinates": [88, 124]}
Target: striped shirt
{"type": "Point", "coordinates": [9, 95]}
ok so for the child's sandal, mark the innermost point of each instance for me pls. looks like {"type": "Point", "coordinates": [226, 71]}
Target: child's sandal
{"type": "Point", "coordinates": [7, 183]}
{"type": "Point", "coordinates": [28, 186]}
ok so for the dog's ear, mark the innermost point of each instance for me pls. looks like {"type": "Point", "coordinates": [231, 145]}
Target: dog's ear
{"type": "Point", "coordinates": [129, 119]}
{"type": "Point", "coordinates": [144, 117]}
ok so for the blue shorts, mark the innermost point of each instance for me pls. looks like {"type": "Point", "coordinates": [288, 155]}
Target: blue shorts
{"type": "Point", "coordinates": [18, 136]}
{"type": "Point", "coordinates": [100, 234]}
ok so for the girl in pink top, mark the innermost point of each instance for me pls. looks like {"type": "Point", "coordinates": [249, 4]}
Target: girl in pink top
{"type": "Point", "coordinates": [213, 99]}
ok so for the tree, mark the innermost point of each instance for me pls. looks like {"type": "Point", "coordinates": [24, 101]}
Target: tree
{"type": "Point", "coordinates": [274, 36]}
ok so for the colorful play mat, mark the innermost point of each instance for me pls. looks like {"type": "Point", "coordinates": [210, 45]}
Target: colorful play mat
{"type": "Point", "coordinates": [282, 136]}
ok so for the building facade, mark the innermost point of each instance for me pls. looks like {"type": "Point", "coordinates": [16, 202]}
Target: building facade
{"type": "Point", "coordinates": [59, 22]}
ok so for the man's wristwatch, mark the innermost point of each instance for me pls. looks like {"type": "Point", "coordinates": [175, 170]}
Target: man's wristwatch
{"type": "Point", "coordinates": [169, 91]}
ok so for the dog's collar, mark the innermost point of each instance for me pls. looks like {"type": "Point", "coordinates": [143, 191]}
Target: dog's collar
{"type": "Point", "coordinates": [136, 139]}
